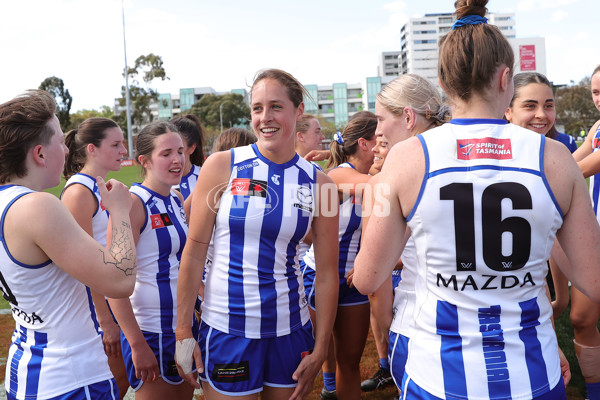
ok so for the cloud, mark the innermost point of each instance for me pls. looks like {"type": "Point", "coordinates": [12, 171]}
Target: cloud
{"type": "Point", "coordinates": [558, 15]}
{"type": "Point", "coordinates": [554, 42]}
{"type": "Point", "coordinates": [533, 5]}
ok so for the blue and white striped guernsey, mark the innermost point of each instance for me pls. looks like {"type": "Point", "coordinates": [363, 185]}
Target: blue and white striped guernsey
{"type": "Point", "coordinates": [349, 232]}
{"type": "Point", "coordinates": [254, 287]}
{"type": "Point", "coordinates": [162, 237]}
{"type": "Point", "coordinates": [595, 179]}
{"type": "Point", "coordinates": [188, 182]}
{"type": "Point", "coordinates": [484, 224]}
{"type": "Point", "coordinates": [55, 348]}
{"type": "Point", "coordinates": [100, 218]}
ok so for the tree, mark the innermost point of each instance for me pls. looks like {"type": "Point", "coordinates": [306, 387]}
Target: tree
{"type": "Point", "coordinates": [147, 67]}
{"type": "Point", "coordinates": [80, 116]}
{"type": "Point", "coordinates": [56, 87]}
{"type": "Point", "coordinates": [328, 128]}
{"type": "Point", "coordinates": [574, 107]}
{"type": "Point", "coordinates": [231, 107]}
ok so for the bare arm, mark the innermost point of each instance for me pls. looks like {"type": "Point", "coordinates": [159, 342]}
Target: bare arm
{"type": "Point", "coordinates": [145, 363]}
{"type": "Point", "coordinates": [349, 181]}
{"type": "Point", "coordinates": [588, 160]}
{"type": "Point", "coordinates": [325, 242]}
{"type": "Point", "coordinates": [57, 236]}
{"type": "Point", "coordinates": [580, 233]}
{"type": "Point", "coordinates": [561, 283]}
{"type": "Point", "coordinates": [212, 180]}
{"type": "Point", "coordinates": [393, 193]}
{"type": "Point", "coordinates": [586, 147]}
{"type": "Point", "coordinates": [317, 155]}
{"type": "Point", "coordinates": [382, 305]}
{"type": "Point", "coordinates": [144, 360]}
{"type": "Point", "coordinates": [82, 204]}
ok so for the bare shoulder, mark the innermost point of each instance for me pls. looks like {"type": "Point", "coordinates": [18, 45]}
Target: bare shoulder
{"type": "Point", "coordinates": [77, 196]}
{"type": "Point", "coordinates": [217, 165]}
{"type": "Point", "coordinates": [39, 207]}
{"type": "Point", "coordinates": [403, 172]}
{"type": "Point", "coordinates": [347, 175]}
{"type": "Point", "coordinates": [33, 220]}
{"type": "Point", "coordinates": [323, 178]}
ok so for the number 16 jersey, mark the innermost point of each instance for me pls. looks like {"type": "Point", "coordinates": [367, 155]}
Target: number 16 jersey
{"type": "Point", "coordinates": [484, 224]}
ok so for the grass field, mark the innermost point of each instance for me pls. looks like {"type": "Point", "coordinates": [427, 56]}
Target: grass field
{"type": "Point", "coordinates": [127, 175]}
{"type": "Point", "coordinates": [564, 330]}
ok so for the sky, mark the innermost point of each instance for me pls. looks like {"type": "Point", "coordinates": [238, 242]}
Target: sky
{"type": "Point", "coordinates": [222, 44]}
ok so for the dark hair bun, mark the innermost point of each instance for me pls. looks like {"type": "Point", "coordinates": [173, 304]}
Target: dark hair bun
{"type": "Point", "coordinates": [470, 7]}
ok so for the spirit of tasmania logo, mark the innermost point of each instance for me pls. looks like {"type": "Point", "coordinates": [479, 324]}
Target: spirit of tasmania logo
{"type": "Point", "coordinates": [471, 149]}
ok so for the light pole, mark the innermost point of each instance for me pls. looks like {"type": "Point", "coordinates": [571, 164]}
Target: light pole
{"type": "Point", "coordinates": [129, 134]}
{"type": "Point", "coordinates": [221, 112]}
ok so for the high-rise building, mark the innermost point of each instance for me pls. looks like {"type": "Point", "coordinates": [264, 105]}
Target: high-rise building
{"type": "Point", "coordinates": [388, 63]}
{"type": "Point", "coordinates": [419, 39]}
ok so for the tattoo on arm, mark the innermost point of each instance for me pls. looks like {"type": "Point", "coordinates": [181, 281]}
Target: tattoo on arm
{"type": "Point", "coordinates": [121, 249]}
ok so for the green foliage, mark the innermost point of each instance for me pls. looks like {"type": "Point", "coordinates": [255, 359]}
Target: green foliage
{"type": "Point", "coordinates": [574, 107]}
{"type": "Point", "coordinates": [56, 87]}
{"type": "Point", "coordinates": [80, 116]}
{"type": "Point", "coordinates": [141, 95]}
{"type": "Point", "coordinates": [327, 128]}
{"type": "Point", "coordinates": [211, 107]}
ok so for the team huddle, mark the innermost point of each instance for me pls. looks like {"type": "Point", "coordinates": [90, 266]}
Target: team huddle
{"type": "Point", "coordinates": [247, 272]}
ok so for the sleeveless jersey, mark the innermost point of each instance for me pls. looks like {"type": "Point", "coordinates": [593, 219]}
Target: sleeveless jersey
{"type": "Point", "coordinates": [100, 218]}
{"type": "Point", "coordinates": [404, 293]}
{"type": "Point", "coordinates": [350, 226]}
{"type": "Point", "coordinates": [595, 179]}
{"type": "Point", "coordinates": [162, 237]}
{"type": "Point", "coordinates": [188, 182]}
{"type": "Point", "coordinates": [483, 224]}
{"type": "Point", "coordinates": [304, 246]}
{"type": "Point", "coordinates": [254, 286]}
{"type": "Point", "coordinates": [55, 347]}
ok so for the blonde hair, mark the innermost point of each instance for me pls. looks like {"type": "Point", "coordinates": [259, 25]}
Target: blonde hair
{"type": "Point", "coordinates": [416, 92]}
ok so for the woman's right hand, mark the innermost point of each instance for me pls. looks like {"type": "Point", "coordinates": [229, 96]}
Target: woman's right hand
{"type": "Point", "coordinates": [145, 363]}
{"type": "Point", "coordinates": [115, 195]}
{"type": "Point", "coordinates": [111, 338]}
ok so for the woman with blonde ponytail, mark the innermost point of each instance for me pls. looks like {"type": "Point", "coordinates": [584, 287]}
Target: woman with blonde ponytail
{"type": "Point", "coordinates": [405, 107]}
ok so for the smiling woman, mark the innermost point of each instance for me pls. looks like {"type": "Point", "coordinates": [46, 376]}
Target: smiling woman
{"type": "Point", "coordinates": [532, 105]}
{"type": "Point", "coordinates": [243, 196]}
{"type": "Point", "coordinates": [147, 318]}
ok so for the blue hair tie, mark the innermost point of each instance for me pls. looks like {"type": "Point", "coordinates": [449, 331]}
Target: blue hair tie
{"type": "Point", "coordinates": [338, 138]}
{"type": "Point", "coordinates": [469, 20]}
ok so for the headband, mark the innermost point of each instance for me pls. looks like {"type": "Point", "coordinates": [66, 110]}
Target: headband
{"type": "Point", "coordinates": [469, 20]}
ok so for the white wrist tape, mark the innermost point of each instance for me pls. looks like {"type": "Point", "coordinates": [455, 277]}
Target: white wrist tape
{"type": "Point", "coordinates": [184, 350]}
